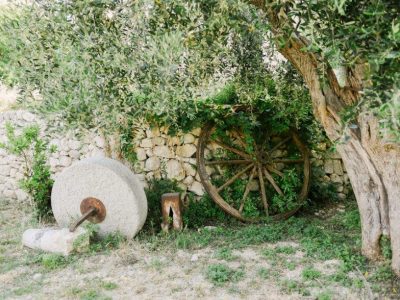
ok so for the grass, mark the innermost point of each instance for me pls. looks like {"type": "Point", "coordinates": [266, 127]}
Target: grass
{"type": "Point", "coordinates": [220, 274]}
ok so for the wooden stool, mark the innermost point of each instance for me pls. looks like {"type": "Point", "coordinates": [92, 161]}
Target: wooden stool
{"type": "Point", "coordinates": [171, 203]}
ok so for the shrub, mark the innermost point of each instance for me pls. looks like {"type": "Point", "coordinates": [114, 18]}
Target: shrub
{"type": "Point", "coordinates": [37, 180]}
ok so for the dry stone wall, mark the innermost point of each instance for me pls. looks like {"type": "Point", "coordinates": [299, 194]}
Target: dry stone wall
{"type": "Point", "coordinates": [158, 156]}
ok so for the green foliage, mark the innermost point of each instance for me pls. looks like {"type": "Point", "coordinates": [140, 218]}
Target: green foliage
{"type": "Point", "coordinates": [310, 273]}
{"type": "Point", "coordinates": [224, 254]}
{"type": "Point", "coordinates": [54, 261]}
{"type": "Point", "coordinates": [220, 274]}
{"type": "Point", "coordinates": [202, 212]}
{"type": "Point", "coordinates": [34, 151]}
{"type": "Point", "coordinates": [289, 184]}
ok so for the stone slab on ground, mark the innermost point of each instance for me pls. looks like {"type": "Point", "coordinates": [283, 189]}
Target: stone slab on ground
{"type": "Point", "coordinates": [54, 240]}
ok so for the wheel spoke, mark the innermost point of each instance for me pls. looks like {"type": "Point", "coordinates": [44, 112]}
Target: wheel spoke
{"type": "Point", "coordinates": [237, 135]}
{"type": "Point", "coordinates": [273, 170]}
{"type": "Point", "coordinates": [234, 150]}
{"type": "Point", "coordinates": [272, 181]}
{"type": "Point", "coordinates": [247, 190]}
{"type": "Point", "coordinates": [276, 147]}
{"type": "Point", "coordinates": [231, 180]}
{"type": "Point", "coordinates": [262, 188]}
{"type": "Point", "coordinates": [288, 161]}
{"type": "Point", "coordinates": [228, 162]}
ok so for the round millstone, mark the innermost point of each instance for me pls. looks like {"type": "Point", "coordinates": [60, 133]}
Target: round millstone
{"type": "Point", "coordinates": [112, 183]}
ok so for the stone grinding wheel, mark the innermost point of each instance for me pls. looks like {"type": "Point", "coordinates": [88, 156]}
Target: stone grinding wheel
{"type": "Point", "coordinates": [107, 183]}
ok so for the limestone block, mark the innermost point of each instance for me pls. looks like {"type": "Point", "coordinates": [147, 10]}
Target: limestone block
{"type": "Point", "coordinates": [5, 170]}
{"type": "Point", "coordinates": [152, 163]}
{"type": "Point", "coordinates": [65, 161]}
{"type": "Point", "coordinates": [158, 141]}
{"type": "Point", "coordinates": [141, 154]}
{"type": "Point", "coordinates": [336, 178]}
{"type": "Point", "coordinates": [153, 132]}
{"type": "Point", "coordinates": [21, 195]}
{"type": "Point", "coordinates": [174, 141]}
{"type": "Point", "coordinates": [74, 145]}
{"type": "Point", "coordinates": [9, 194]}
{"type": "Point", "coordinates": [19, 176]}
{"type": "Point", "coordinates": [60, 241]}
{"type": "Point", "coordinates": [196, 188]}
{"type": "Point", "coordinates": [146, 143]}
{"type": "Point", "coordinates": [100, 142]}
{"type": "Point", "coordinates": [175, 170]}
{"type": "Point", "coordinates": [53, 162]}
{"type": "Point", "coordinates": [29, 117]}
{"type": "Point", "coordinates": [163, 151]}
{"type": "Point", "coordinates": [188, 180]}
{"type": "Point", "coordinates": [149, 152]}
{"type": "Point", "coordinates": [74, 154]}
{"type": "Point", "coordinates": [189, 169]}
{"type": "Point", "coordinates": [337, 167]}
{"type": "Point", "coordinates": [13, 172]}
{"type": "Point", "coordinates": [186, 150]}
{"type": "Point", "coordinates": [329, 166]}
{"type": "Point", "coordinates": [188, 138]}
{"type": "Point", "coordinates": [196, 131]}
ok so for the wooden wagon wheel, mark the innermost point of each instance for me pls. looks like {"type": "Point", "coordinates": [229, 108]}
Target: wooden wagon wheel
{"type": "Point", "coordinates": [267, 162]}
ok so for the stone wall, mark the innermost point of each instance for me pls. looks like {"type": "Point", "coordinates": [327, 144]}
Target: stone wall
{"type": "Point", "coordinates": [158, 156]}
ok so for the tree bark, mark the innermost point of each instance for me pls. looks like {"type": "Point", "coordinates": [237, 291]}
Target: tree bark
{"type": "Point", "coordinates": [371, 161]}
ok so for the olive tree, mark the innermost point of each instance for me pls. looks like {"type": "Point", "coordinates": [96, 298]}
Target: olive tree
{"type": "Point", "coordinates": [106, 63]}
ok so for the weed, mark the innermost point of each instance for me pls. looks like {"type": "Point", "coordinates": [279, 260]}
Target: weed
{"type": "Point", "coordinates": [109, 285]}
{"type": "Point", "coordinates": [285, 250]}
{"type": "Point", "coordinates": [327, 295]}
{"type": "Point", "coordinates": [109, 242]}
{"type": "Point", "coordinates": [224, 254]}
{"type": "Point", "coordinates": [263, 273]}
{"type": "Point", "coordinates": [310, 273]}
{"type": "Point", "coordinates": [54, 261]}
{"type": "Point", "coordinates": [220, 274]}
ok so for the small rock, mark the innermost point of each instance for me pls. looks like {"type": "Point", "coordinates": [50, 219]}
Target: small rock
{"type": "Point", "coordinates": [37, 276]}
{"type": "Point", "coordinates": [195, 257]}
{"type": "Point", "coordinates": [210, 227]}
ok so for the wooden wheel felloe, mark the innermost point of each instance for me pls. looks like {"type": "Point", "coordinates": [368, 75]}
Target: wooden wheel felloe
{"type": "Point", "coordinates": [266, 176]}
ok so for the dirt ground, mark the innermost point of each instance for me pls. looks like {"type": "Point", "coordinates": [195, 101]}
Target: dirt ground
{"type": "Point", "coordinates": [132, 271]}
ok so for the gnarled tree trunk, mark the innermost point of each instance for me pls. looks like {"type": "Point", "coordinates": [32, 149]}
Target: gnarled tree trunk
{"type": "Point", "coordinates": [372, 162]}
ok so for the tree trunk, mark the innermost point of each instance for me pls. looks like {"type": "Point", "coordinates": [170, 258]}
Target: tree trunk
{"type": "Point", "coordinates": [371, 161]}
